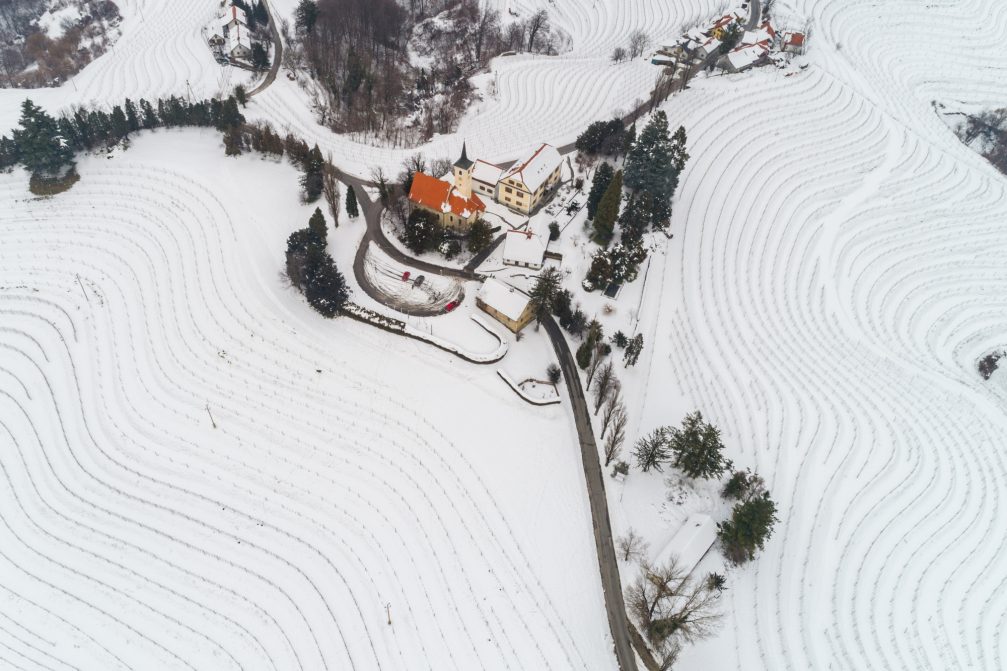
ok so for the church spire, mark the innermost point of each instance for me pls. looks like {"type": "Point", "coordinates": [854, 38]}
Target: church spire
{"type": "Point", "coordinates": [463, 161]}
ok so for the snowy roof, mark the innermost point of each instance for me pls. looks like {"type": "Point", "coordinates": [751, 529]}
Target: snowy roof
{"type": "Point", "coordinates": [696, 35]}
{"type": "Point", "coordinates": [524, 247]}
{"type": "Point", "coordinates": [691, 542]}
{"type": "Point", "coordinates": [745, 56]}
{"type": "Point", "coordinates": [535, 170]}
{"type": "Point", "coordinates": [793, 39]}
{"type": "Point", "coordinates": [237, 38]}
{"type": "Point", "coordinates": [486, 172]}
{"type": "Point", "coordinates": [440, 195]}
{"type": "Point", "coordinates": [232, 13]}
{"type": "Point", "coordinates": [503, 298]}
{"type": "Point", "coordinates": [761, 34]}
{"type": "Point", "coordinates": [711, 45]}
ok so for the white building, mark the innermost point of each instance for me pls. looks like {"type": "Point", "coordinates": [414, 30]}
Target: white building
{"type": "Point", "coordinates": [504, 303]}
{"type": "Point", "coordinates": [233, 16]}
{"type": "Point", "coordinates": [525, 249]}
{"type": "Point", "coordinates": [239, 45]}
{"type": "Point", "coordinates": [485, 176]}
{"type": "Point", "coordinates": [691, 543]}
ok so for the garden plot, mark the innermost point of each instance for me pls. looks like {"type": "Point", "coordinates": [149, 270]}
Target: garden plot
{"type": "Point", "coordinates": [200, 472]}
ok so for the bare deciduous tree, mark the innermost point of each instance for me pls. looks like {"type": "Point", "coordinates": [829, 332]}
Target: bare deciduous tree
{"type": "Point", "coordinates": [537, 24]}
{"type": "Point", "coordinates": [330, 189]}
{"type": "Point", "coordinates": [597, 356]}
{"type": "Point", "coordinates": [611, 405]}
{"type": "Point", "coordinates": [618, 55]}
{"type": "Point", "coordinates": [604, 383]}
{"type": "Point", "coordinates": [671, 608]}
{"type": "Point", "coordinates": [616, 437]}
{"type": "Point", "coordinates": [631, 545]}
{"type": "Point", "coordinates": [638, 41]}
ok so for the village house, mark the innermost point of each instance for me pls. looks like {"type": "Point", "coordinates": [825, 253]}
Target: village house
{"type": "Point", "coordinates": [453, 202]}
{"type": "Point", "coordinates": [239, 45]}
{"type": "Point", "coordinates": [485, 177]}
{"type": "Point", "coordinates": [525, 249]}
{"type": "Point", "coordinates": [233, 17]}
{"type": "Point", "coordinates": [506, 304]}
{"type": "Point", "coordinates": [793, 43]}
{"type": "Point", "coordinates": [527, 183]}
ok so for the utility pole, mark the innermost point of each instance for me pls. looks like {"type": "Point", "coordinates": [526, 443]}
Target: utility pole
{"type": "Point", "coordinates": [388, 611]}
{"type": "Point", "coordinates": [211, 415]}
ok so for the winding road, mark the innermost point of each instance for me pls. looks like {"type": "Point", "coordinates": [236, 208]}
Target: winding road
{"type": "Point", "coordinates": [624, 636]}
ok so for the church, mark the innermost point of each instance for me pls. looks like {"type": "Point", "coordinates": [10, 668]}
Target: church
{"type": "Point", "coordinates": [452, 202]}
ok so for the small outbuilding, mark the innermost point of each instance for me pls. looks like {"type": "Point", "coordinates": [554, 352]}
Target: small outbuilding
{"type": "Point", "coordinates": [525, 249]}
{"type": "Point", "coordinates": [691, 543]}
{"type": "Point", "coordinates": [793, 43]}
{"type": "Point", "coordinates": [507, 305]}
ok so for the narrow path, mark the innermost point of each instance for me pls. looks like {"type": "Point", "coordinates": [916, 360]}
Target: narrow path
{"type": "Point", "coordinates": [277, 54]}
{"type": "Point", "coordinates": [607, 562]}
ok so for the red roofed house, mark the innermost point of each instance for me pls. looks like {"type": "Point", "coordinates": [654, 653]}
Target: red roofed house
{"type": "Point", "coordinates": [453, 202]}
{"type": "Point", "coordinates": [793, 43]}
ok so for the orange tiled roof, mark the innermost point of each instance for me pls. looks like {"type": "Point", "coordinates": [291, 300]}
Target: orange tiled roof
{"type": "Point", "coordinates": [441, 196]}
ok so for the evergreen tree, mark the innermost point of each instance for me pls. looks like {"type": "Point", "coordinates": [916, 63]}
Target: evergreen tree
{"type": "Point", "coordinates": [602, 178]}
{"type": "Point", "coordinates": [317, 226]}
{"type": "Point", "coordinates": [351, 203]}
{"type": "Point", "coordinates": [41, 148]}
{"type": "Point", "coordinates": [636, 217]}
{"type": "Point", "coordinates": [313, 179]}
{"type": "Point", "coordinates": [260, 57]}
{"type": "Point", "coordinates": [751, 524]}
{"type": "Point", "coordinates": [241, 95]}
{"type": "Point", "coordinates": [119, 125]}
{"type": "Point", "coordinates": [654, 165]}
{"type": "Point", "coordinates": [480, 235]}
{"type": "Point", "coordinates": [697, 448]}
{"type": "Point", "coordinates": [584, 354]}
{"type": "Point", "coordinates": [9, 154]}
{"type": "Point", "coordinates": [305, 16]}
{"type": "Point", "coordinates": [543, 294]}
{"type": "Point", "coordinates": [230, 115]}
{"type": "Point", "coordinates": [150, 119]}
{"type": "Point", "coordinates": [232, 142]}
{"type": "Point", "coordinates": [651, 451]}
{"type": "Point", "coordinates": [608, 211]}
{"type": "Point", "coordinates": [633, 349]}
{"type": "Point", "coordinates": [326, 289]}
{"type": "Point", "coordinates": [261, 13]}
{"type": "Point", "coordinates": [423, 231]}
{"type": "Point", "coordinates": [132, 116]}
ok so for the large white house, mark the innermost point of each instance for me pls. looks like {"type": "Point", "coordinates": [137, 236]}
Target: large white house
{"type": "Point", "coordinates": [525, 249]}
{"type": "Point", "coordinates": [523, 186]}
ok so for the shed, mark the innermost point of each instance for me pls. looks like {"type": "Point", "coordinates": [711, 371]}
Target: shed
{"type": "Point", "coordinates": [525, 249]}
{"type": "Point", "coordinates": [691, 543]}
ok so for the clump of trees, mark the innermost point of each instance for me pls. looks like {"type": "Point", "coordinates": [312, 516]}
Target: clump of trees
{"type": "Point", "coordinates": [29, 58]}
{"type": "Point", "coordinates": [312, 270]}
{"type": "Point", "coordinates": [987, 133]}
{"type": "Point", "coordinates": [695, 449]}
{"type": "Point", "coordinates": [672, 608]}
{"type": "Point", "coordinates": [358, 52]}
{"type": "Point", "coordinates": [605, 138]}
{"type": "Point", "coordinates": [47, 146]}
{"type": "Point", "coordinates": [654, 164]}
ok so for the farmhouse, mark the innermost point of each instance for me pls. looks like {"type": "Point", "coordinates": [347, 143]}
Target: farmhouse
{"type": "Point", "coordinates": [233, 17]}
{"type": "Point", "coordinates": [744, 57]}
{"type": "Point", "coordinates": [504, 303]}
{"type": "Point", "coordinates": [525, 185]}
{"type": "Point", "coordinates": [453, 202]}
{"type": "Point", "coordinates": [238, 43]}
{"type": "Point", "coordinates": [525, 249]}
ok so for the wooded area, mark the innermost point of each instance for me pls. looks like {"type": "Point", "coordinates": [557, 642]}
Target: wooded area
{"type": "Point", "coordinates": [399, 72]}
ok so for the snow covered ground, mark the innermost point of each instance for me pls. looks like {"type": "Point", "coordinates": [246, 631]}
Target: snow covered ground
{"type": "Point", "coordinates": [162, 51]}
{"type": "Point", "coordinates": [199, 472]}
{"type": "Point", "coordinates": [837, 271]}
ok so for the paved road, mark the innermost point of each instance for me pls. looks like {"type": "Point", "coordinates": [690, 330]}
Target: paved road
{"type": "Point", "coordinates": [607, 562]}
{"type": "Point", "coordinates": [274, 31]}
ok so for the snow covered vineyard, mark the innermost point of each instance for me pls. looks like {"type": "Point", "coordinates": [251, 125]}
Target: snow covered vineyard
{"type": "Point", "coordinates": [836, 273]}
{"type": "Point", "coordinates": [198, 472]}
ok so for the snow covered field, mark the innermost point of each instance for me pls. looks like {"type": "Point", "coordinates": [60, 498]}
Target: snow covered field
{"type": "Point", "coordinates": [837, 271]}
{"type": "Point", "coordinates": [349, 470]}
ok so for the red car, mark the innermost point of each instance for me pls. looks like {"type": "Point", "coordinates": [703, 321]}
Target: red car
{"type": "Point", "coordinates": [450, 306]}
{"type": "Point", "coordinates": [405, 276]}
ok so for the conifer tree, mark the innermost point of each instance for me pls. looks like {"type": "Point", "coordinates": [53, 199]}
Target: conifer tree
{"type": "Point", "coordinates": [132, 116]}
{"type": "Point", "coordinates": [41, 148]}
{"type": "Point", "coordinates": [318, 227]}
{"type": "Point", "coordinates": [608, 211]}
{"type": "Point", "coordinates": [751, 524]}
{"type": "Point", "coordinates": [602, 178]}
{"type": "Point", "coordinates": [119, 125]}
{"type": "Point", "coordinates": [313, 179]}
{"type": "Point", "coordinates": [351, 203]}
{"type": "Point", "coordinates": [697, 448]}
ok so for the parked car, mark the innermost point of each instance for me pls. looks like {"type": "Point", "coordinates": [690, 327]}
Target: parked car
{"type": "Point", "coordinates": [405, 276]}
{"type": "Point", "coordinates": [418, 282]}
{"type": "Point", "coordinates": [450, 306]}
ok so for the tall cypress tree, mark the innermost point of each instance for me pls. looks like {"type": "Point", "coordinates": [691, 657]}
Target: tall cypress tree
{"type": "Point", "coordinates": [608, 211]}
{"type": "Point", "coordinates": [318, 227]}
{"type": "Point", "coordinates": [602, 178]}
{"type": "Point", "coordinates": [42, 149]}
{"type": "Point", "coordinates": [351, 203]}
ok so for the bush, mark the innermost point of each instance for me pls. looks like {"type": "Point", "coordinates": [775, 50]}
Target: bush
{"type": "Point", "coordinates": [41, 185]}
{"type": "Point", "coordinates": [554, 373]}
